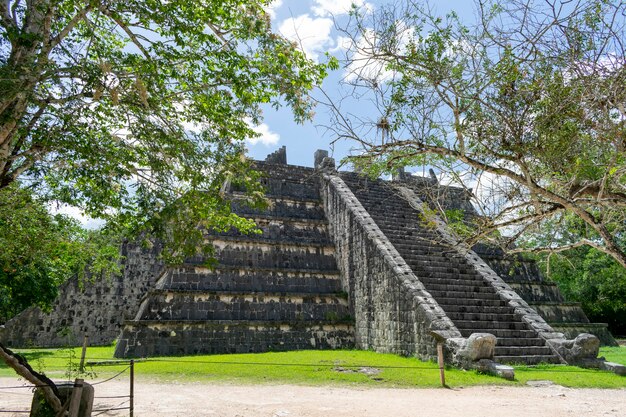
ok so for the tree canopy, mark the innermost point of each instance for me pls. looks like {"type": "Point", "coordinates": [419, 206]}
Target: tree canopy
{"type": "Point", "coordinates": [525, 105]}
{"type": "Point", "coordinates": [40, 251]}
{"type": "Point", "coordinates": [137, 111]}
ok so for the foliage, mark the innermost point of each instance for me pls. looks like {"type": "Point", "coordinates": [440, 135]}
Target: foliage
{"type": "Point", "coordinates": [595, 280]}
{"type": "Point", "coordinates": [137, 111]}
{"type": "Point", "coordinates": [40, 251]}
{"type": "Point", "coordinates": [325, 367]}
{"type": "Point", "coordinates": [525, 104]}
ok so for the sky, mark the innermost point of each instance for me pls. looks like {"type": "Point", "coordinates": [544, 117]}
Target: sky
{"type": "Point", "coordinates": [311, 23]}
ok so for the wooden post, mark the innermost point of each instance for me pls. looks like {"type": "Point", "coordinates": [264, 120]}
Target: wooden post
{"type": "Point", "coordinates": [132, 388]}
{"type": "Point", "coordinates": [77, 393]}
{"type": "Point", "coordinates": [442, 375]}
{"type": "Point", "coordinates": [81, 367]}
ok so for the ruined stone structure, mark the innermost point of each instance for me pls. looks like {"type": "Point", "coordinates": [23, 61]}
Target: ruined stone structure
{"type": "Point", "coordinates": [342, 261]}
{"type": "Point", "coordinates": [97, 309]}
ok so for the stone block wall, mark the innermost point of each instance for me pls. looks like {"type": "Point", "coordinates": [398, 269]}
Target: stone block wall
{"type": "Point", "coordinates": [273, 291]}
{"type": "Point", "coordinates": [97, 309]}
{"type": "Point", "coordinates": [393, 312]}
{"type": "Point", "coordinates": [157, 338]}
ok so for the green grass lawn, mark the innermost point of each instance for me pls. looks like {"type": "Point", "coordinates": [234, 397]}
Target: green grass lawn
{"type": "Point", "coordinates": [342, 367]}
{"type": "Point", "coordinates": [614, 354]}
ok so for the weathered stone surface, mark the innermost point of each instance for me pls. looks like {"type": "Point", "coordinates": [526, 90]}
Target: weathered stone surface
{"type": "Point", "coordinates": [466, 352]}
{"type": "Point", "coordinates": [278, 290]}
{"type": "Point", "coordinates": [616, 368]}
{"type": "Point", "coordinates": [583, 348]}
{"type": "Point", "coordinates": [39, 407]}
{"type": "Point", "coordinates": [157, 338]}
{"type": "Point", "coordinates": [480, 346]}
{"type": "Point", "coordinates": [599, 330]}
{"type": "Point", "coordinates": [497, 369]}
{"type": "Point", "coordinates": [392, 311]}
{"type": "Point", "coordinates": [96, 309]}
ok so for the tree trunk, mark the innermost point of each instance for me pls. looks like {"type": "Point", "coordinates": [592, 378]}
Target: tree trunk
{"type": "Point", "coordinates": [23, 369]}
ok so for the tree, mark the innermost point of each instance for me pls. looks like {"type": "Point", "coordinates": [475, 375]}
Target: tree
{"type": "Point", "coordinates": [136, 111]}
{"type": "Point", "coordinates": [40, 251]}
{"type": "Point", "coordinates": [124, 107]}
{"type": "Point", "coordinates": [526, 105]}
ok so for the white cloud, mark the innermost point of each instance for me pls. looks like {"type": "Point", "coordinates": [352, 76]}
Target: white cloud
{"type": "Point", "coordinates": [312, 34]}
{"type": "Point", "coordinates": [267, 137]}
{"type": "Point", "coordinates": [271, 9]}
{"type": "Point", "coordinates": [364, 63]}
{"type": "Point", "coordinates": [342, 44]}
{"type": "Point", "coordinates": [334, 7]}
{"type": "Point", "coordinates": [71, 211]}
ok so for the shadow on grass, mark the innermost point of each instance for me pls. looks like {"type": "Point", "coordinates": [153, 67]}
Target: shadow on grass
{"type": "Point", "coordinates": [31, 356]}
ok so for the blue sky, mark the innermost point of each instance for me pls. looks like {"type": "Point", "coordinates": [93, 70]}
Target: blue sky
{"type": "Point", "coordinates": [310, 23]}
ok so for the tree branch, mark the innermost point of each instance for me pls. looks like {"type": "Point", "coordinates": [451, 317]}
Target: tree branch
{"type": "Point", "coordinates": [5, 15]}
{"type": "Point", "coordinates": [68, 28]}
{"type": "Point", "coordinates": [23, 369]}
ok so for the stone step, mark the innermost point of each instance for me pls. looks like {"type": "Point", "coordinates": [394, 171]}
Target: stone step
{"type": "Point", "coordinates": [561, 312]}
{"type": "Point", "coordinates": [522, 351]}
{"type": "Point", "coordinates": [439, 259]}
{"type": "Point", "coordinates": [253, 242]}
{"type": "Point", "coordinates": [528, 359]}
{"type": "Point", "coordinates": [514, 269]}
{"type": "Point", "coordinates": [156, 338]}
{"type": "Point", "coordinates": [465, 295]}
{"type": "Point", "coordinates": [447, 301]}
{"type": "Point", "coordinates": [251, 280]}
{"type": "Point", "coordinates": [270, 229]}
{"type": "Point", "coordinates": [487, 326]}
{"type": "Point", "coordinates": [481, 316]}
{"type": "Point", "coordinates": [237, 252]}
{"type": "Point", "coordinates": [478, 287]}
{"type": "Point", "coordinates": [293, 172]}
{"type": "Point", "coordinates": [600, 330]}
{"type": "Point", "coordinates": [447, 268]}
{"type": "Point", "coordinates": [454, 282]}
{"type": "Point", "coordinates": [501, 333]}
{"type": "Point", "coordinates": [451, 309]}
{"type": "Point", "coordinates": [203, 305]}
{"type": "Point", "coordinates": [537, 292]}
{"type": "Point", "coordinates": [299, 188]}
{"type": "Point", "coordinates": [257, 218]}
{"type": "Point", "coordinates": [283, 208]}
{"type": "Point", "coordinates": [517, 341]}
{"type": "Point", "coordinates": [435, 277]}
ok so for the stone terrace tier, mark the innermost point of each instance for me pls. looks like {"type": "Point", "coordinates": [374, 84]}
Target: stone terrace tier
{"type": "Point", "coordinates": [468, 300]}
{"type": "Point", "coordinates": [276, 290]}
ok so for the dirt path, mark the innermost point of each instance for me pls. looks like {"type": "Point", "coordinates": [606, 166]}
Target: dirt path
{"type": "Point", "coordinates": [191, 400]}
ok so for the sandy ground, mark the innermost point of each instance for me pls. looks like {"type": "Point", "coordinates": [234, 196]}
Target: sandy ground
{"type": "Point", "coordinates": [191, 400]}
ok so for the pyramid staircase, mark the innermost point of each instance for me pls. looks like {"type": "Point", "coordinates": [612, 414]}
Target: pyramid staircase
{"type": "Point", "coordinates": [278, 290]}
{"type": "Point", "coordinates": [469, 301]}
{"type": "Point", "coordinates": [523, 276]}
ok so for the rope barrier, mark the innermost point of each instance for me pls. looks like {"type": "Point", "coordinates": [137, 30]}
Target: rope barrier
{"type": "Point", "coordinates": [110, 409]}
{"type": "Point", "coordinates": [114, 408]}
{"type": "Point", "coordinates": [290, 364]}
{"type": "Point", "coordinates": [114, 396]}
{"type": "Point", "coordinates": [113, 377]}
